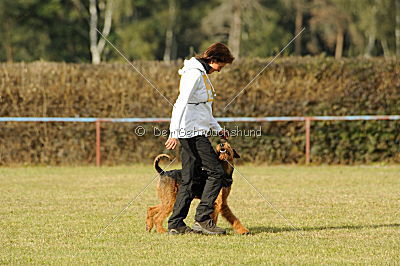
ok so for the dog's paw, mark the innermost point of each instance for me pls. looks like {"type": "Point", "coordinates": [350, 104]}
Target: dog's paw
{"type": "Point", "coordinates": [148, 228]}
{"type": "Point", "coordinates": [161, 230]}
{"type": "Point", "coordinates": [243, 231]}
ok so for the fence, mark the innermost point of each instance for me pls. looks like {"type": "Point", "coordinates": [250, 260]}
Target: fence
{"type": "Point", "coordinates": [306, 119]}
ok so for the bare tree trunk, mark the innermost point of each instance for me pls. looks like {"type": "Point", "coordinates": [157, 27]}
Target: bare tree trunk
{"type": "Point", "coordinates": [371, 33]}
{"type": "Point", "coordinates": [385, 47]}
{"type": "Point", "coordinates": [339, 43]}
{"type": "Point", "coordinates": [97, 47]}
{"type": "Point", "coordinates": [169, 35]}
{"type": "Point", "coordinates": [299, 25]}
{"type": "Point", "coordinates": [9, 53]}
{"type": "Point", "coordinates": [93, 33]}
{"type": "Point", "coordinates": [8, 42]}
{"type": "Point", "coordinates": [107, 24]}
{"type": "Point", "coordinates": [235, 31]}
{"type": "Point", "coordinates": [370, 45]}
{"type": "Point", "coordinates": [169, 40]}
{"type": "Point", "coordinates": [397, 27]}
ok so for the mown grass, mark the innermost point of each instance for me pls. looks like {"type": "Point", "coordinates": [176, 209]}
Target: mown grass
{"type": "Point", "coordinates": [344, 215]}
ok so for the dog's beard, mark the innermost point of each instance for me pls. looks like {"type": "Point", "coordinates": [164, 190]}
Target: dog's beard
{"type": "Point", "coordinates": [223, 156]}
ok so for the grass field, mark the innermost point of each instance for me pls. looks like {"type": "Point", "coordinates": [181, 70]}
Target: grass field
{"type": "Point", "coordinates": [344, 215]}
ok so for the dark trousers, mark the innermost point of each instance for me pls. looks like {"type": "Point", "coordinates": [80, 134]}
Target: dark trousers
{"type": "Point", "coordinates": [197, 153]}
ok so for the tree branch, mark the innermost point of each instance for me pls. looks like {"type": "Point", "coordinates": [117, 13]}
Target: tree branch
{"type": "Point", "coordinates": [107, 25]}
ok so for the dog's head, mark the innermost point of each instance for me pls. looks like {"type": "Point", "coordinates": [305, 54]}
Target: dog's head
{"type": "Point", "coordinates": [226, 152]}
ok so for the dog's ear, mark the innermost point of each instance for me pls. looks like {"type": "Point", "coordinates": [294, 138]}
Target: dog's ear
{"type": "Point", "coordinates": [235, 154]}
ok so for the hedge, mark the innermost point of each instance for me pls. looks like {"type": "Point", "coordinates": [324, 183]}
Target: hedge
{"type": "Point", "coordinates": [306, 86]}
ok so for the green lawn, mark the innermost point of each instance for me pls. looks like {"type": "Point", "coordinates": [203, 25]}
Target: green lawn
{"type": "Point", "coordinates": [344, 215]}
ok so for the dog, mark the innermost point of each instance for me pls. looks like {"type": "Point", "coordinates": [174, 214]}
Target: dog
{"type": "Point", "coordinates": [168, 184]}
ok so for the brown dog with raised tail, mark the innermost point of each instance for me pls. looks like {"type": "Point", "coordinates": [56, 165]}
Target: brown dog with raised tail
{"type": "Point", "coordinates": [168, 186]}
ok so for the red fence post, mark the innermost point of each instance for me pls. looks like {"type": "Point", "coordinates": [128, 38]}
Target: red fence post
{"type": "Point", "coordinates": [308, 126]}
{"type": "Point", "coordinates": [98, 157]}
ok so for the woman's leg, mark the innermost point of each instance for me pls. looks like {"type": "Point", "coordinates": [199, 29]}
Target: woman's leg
{"type": "Point", "coordinates": [211, 164]}
{"type": "Point", "coordinates": [184, 195]}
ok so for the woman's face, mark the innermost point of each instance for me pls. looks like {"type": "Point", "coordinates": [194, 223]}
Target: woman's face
{"type": "Point", "coordinates": [216, 66]}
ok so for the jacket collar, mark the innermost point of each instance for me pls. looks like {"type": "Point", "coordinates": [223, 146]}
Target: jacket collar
{"type": "Point", "coordinates": [206, 66]}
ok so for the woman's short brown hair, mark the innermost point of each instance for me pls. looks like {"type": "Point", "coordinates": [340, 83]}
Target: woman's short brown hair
{"type": "Point", "coordinates": [217, 52]}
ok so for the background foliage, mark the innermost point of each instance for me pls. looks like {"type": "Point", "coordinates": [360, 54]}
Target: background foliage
{"type": "Point", "coordinates": [58, 30]}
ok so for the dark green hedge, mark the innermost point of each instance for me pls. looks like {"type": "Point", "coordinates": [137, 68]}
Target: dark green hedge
{"type": "Point", "coordinates": [290, 87]}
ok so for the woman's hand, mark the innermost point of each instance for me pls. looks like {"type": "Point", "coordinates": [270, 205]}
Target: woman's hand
{"type": "Point", "coordinates": [171, 143]}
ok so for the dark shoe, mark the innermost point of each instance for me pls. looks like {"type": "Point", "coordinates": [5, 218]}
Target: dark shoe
{"type": "Point", "coordinates": [180, 230]}
{"type": "Point", "coordinates": [208, 227]}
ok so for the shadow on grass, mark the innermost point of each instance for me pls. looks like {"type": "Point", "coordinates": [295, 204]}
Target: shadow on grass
{"type": "Point", "coordinates": [266, 229]}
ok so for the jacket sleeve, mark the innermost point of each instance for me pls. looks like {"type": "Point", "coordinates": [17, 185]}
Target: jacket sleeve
{"type": "Point", "coordinates": [214, 124]}
{"type": "Point", "coordinates": [189, 82]}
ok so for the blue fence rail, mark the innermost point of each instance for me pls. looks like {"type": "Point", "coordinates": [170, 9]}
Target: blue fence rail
{"type": "Point", "coordinates": [219, 119]}
{"type": "Point", "coordinates": [98, 121]}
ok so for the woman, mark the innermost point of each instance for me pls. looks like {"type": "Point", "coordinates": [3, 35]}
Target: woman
{"type": "Point", "coordinates": [191, 120]}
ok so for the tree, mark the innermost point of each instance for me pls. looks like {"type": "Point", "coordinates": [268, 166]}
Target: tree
{"type": "Point", "coordinates": [97, 46]}
{"type": "Point", "coordinates": [243, 24]}
{"type": "Point", "coordinates": [373, 20]}
{"type": "Point", "coordinates": [170, 46]}
{"type": "Point", "coordinates": [140, 29]}
{"type": "Point", "coordinates": [299, 6]}
{"type": "Point", "coordinates": [331, 21]}
{"type": "Point", "coordinates": [397, 27]}
{"type": "Point", "coordinates": [65, 30]}
{"type": "Point", "coordinates": [235, 29]}
{"type": "Point", "coordinates": [364, 25]}
{"type": "Point", "coordinates": [8, 11]}
{"type": "Point", "coordinates": [50, 30]}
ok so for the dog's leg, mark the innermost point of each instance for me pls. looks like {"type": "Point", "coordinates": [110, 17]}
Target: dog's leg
{"type": "Point", "coordinates": [151, 212]}
{"type": "Point", "coordinates": [159, 220]}
{"type": "Point", "coordinates": [162, 215]}
{"type": "Point", "coordinates": [233, 220]}
{"type": "Point", "coordinates": [228, 215]}
{"type": "Point", "coordinates": [167, 194]}
{"type": "Point", "coordinates": [217, 207]}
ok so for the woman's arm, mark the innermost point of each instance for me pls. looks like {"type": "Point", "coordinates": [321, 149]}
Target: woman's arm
{"type": "Point", "coordinates": [222, 133]}
{"type": "Point", "coordinates": [189, 81]}
{"type": "Point", "coordinates": [214, 124]}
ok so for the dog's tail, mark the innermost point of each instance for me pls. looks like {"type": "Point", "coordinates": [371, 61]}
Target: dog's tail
{"type": "Point", "coordinates": [157, 160]}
